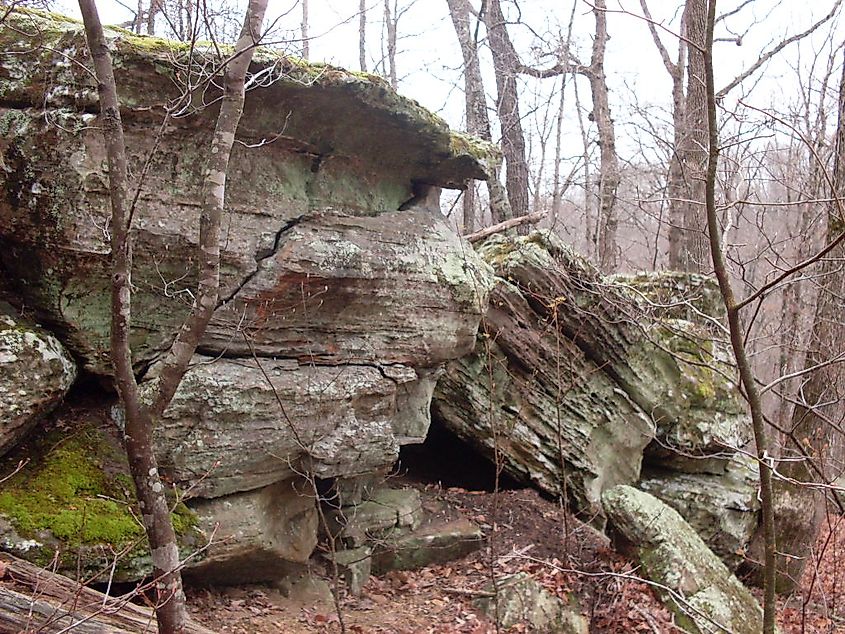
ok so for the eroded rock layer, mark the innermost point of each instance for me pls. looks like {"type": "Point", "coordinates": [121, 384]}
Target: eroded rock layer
{"type": "Point", "coordinates": [573, 376]}
{"type": "Point", "coordinates": [343, 290]}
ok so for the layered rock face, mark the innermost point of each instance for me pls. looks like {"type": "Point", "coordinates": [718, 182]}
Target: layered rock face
{"type": "Point", "coordinates": [576, 379]}
{"type": "Point", "coordinates": [697, 466]}
{"type": "Point", "coordinates": [343, 290]}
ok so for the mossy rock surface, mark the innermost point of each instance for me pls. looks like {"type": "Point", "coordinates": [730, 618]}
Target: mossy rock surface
{"type": "Point", "coordinates": [74, 500]}
{"type": "Point", "coordinates": [378, 124]}
{"type": "Point", "coordinates": [677, 295]}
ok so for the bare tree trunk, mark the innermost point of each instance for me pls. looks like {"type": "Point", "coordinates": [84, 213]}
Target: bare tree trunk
{"type": "Point", "coordinates": [362, 35]}
{"type": "Point", "coordinates": [170, 603]}
{"type": "Point", "coordinates": [609, 166]}
{"type": "Point", "coordinates": [306, 52]}
{"type": "Point", "coordinates": [390, 20]}
{"type": "Point", "coordinates": [478, 122]}
{"type": "Point", "coordinates": [505, 64]}
{"type": "Point", "coordinates": [676, 190]}
{"type": "Point", "coordinates": [467, 223]}
{"type": "Point", "coordinates": [692, 152]}
{"type": "Point", "coordinates": [589, 233]}
{"type": "Point", "coordinates": [557, 189]}
{"type": "Point", "coordinates": [675, 180]}
{"type": "Point", "coordinates": [736, 327]}
{"type": "Point", "coordinates": [170, 600]}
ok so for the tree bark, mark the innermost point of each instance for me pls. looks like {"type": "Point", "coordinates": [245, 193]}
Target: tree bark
{"type": "Point", "coordinates": [390, 19]}
{"type": "Point", "coordinates": [688, 212]}
{"type": "Point", "coordinates": [306, 48]}
{"type": "Point", "coordinates": [38, 600]}
{"type": "Point", "coordinates": [139, 419]}
{"type": "Point", "coordinates": [170, 600]}
{"type": "Point", "coordinates": [735, 325]}
{"type": "Point", "coordinates": [362, 35]}
{"type": "Point", "coordinates": [479, 235]}
{"type": "Point", "coordinates": [505, 65]}
{"type": "Point", "coordinates": [478, 122]}
{"type": "Point", "coordinates": [609, 164]}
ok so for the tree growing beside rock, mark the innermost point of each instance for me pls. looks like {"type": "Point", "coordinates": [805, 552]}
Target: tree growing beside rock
{"type": "Point", "coordinates": [141, 416]}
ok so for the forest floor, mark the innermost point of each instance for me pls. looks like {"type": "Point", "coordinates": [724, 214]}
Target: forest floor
{"type": "Point", "coordinates": [532, 535]}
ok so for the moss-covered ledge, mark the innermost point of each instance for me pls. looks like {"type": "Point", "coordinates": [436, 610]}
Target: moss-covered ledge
{"type": "Point", "coordinates": [322, 109]}
{"type": "Point", "coordinates": [74, 496]}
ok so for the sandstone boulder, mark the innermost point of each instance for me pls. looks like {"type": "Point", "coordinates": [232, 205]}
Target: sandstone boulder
{"type": "Point", "coordinates": [572, 381]}
{"type": "Point", "coordinates": [519, 600]}
{"type": "Point", "coordinates": [343, 290]}
{"type": "Point", "coordinates": [260, 535]}
{"type": "Point", "coordinates": [559, 423]}
{"type": "Point", "coordinates": [697, 586]}
{"type": "Point", "coordinates": [241, 424]}
{"type": "Point", "coordinates": [722, 508]}
{"type": "Point", "coordinates": [36, 373]}
{"type": "Point", "coordinates": [677, 295]}
{"type": "Point", "coordinates": [319, 262]}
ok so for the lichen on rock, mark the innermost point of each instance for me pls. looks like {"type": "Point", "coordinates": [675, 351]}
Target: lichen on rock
{"type": "Point", "coordinates": [36, 373]}
{"type": "Point", "coordinates": [694, 583]}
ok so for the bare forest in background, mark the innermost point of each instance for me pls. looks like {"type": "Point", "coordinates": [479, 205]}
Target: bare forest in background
{"type": "Point", "coordinates": [620, 172]}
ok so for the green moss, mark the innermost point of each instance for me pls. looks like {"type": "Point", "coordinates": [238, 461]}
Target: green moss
{"type": "Point", "coordinates": [76, 489]}
{"type": "Point", "coordinates": [184, 519]}
{"type": "Point", "coordinates": [485, 152]}
{"type": "Point", "coordinates": [66, 491]}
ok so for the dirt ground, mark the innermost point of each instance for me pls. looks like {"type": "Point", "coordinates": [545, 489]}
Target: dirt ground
{"type": "Point", "coordinates": [531, 534]}
{"type": "Point", "coordinates": [524, 533]}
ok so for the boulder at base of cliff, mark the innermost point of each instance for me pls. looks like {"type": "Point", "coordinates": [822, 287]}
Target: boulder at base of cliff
{"type": "Point", "coordinates": [698, 587]}
{"type": "Point", "coordinates": [259, 535]}
{"type": "Point", "coordinates": [722, 508]}
{"type": "Point", "coordinates": [35, 374]}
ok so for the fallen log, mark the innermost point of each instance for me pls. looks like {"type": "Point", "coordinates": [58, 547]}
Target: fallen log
{"type": "Point", "coordinates": [33, 599]}
{"type": "Point", "coordinates": [537, 216]}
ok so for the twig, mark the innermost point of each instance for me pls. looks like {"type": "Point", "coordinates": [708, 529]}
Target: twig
{"type": "Point", "coordinates": [504, 226]}
{"type": "Point", "coordinates": [466, 592]}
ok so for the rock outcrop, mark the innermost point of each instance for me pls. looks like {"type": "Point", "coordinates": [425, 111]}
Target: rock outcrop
{"type": "Point", "coordinates": [559, 421]}
{"type": "Point", "coordinates": [318, 263]}
{"type": "Point", "coordinates": [573, 383]}
{"type": "Point", "coordinates": [694, 583]}
{"type": "Point", "coordinates": [241, 424]}
{"type": "Point", "coordinates": [343, 290]}
{"type": "Point", "coordinates": [36, 372]}
{"type": "Point", "coordinates": [697, 466]}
